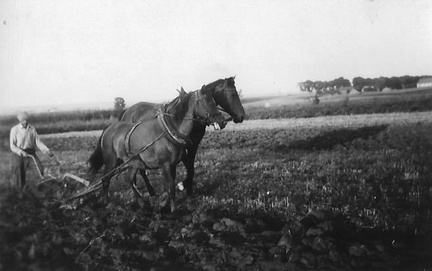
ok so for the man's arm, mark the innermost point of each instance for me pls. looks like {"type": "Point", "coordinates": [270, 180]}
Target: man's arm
{"type": "Point", "coordinates": [41, 146]}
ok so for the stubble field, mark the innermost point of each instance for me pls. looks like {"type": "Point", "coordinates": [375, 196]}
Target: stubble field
{"type": "Point", "coordinates": [328, 193]}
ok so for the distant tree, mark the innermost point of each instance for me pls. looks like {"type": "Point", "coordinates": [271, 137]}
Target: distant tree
{"type": "Point", "coordinates": [409, 81]}
{"type": "Point", "coordinates": [346, 83]}
{"type": "Point", "coordinates": [380, 83]}
{"type": "Point", "coordinates": [394, 83]}
{"type": "Point", "coordinates": [309, 85]}
{"type": "Point", "coordinates": [341, 82]}
{"type": "Point", "coordinates": [119, 106]}
{"type": "Point", "coordinates": [319, 85]}
{"type": "Point", "coordinates": [302, 86]}
{"type": "Point", "coordinates": [369, 82]}
{"type": "Point", "coordinates": [358, 83]}
{"type": "Point", "coordinates": [332, 84]}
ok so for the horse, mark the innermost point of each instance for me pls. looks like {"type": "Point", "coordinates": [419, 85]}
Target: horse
{"type": "Point", "coordinates": [159, 142]}
{"type": "Point", "coordinates": [225, 95]}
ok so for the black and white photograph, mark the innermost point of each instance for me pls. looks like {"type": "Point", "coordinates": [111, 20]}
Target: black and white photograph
{"type": "Point", "coordinates": [216, 135]}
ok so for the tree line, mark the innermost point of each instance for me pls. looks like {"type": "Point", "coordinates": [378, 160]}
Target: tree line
{"type": "Point", "coordinates": [361, 84]}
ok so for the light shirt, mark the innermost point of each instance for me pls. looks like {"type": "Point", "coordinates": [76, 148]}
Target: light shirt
{"type": "Point", "coordinates": [25, 138]}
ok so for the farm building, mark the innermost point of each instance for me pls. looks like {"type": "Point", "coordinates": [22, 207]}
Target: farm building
{"type": "Point", "coordinates": [369, 89]}
{"type": "Point", "coordinates": [424, 82]}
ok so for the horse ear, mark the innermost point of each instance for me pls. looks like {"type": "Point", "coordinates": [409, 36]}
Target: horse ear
{"type": "Point", "coordinates": [181, 91]}
{"type": "Point", "coordinates": [203, 88]}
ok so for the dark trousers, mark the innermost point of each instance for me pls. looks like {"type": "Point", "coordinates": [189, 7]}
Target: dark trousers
{"type": "Point", "coordinates": [19, 168]}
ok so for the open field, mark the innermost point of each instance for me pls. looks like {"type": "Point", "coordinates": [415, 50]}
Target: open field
{"type": "Point", "coordinates": [329, 193]}
{"type": "Point", "coordinates": [273, 107]}
{"type": "Point", "coordinates": [302, 98]}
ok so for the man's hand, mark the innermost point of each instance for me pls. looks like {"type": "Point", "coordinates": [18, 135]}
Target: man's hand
{"type": "Point", "coordinates": [23, 154]}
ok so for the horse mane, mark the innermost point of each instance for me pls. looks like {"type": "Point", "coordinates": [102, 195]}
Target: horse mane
{"type": "Point", "coordinates": [229, 80]}
{"type": "Point", "coordinates": [177, 100]}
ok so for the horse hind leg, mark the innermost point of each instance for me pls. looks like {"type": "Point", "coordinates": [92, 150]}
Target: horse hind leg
{"type": "Point", "coordinates": [105, 186]}
{"type": "Point", "coordinates": [150, 189]}
{"type": "Point", "coordinates": [110, 165]}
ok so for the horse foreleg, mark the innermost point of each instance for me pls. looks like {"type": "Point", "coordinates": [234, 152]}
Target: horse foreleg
{"type": "Point", "coordinates": [188, 161]}
{"type": "Point", "coordinates": [132, 181]}
{"type": "Point", "coordinates": [147, 182]}
{"type": "Point", "coordinates": [169, 172]}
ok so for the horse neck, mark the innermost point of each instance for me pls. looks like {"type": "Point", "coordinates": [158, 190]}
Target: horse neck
{"type": "Point", "coordinates": [182, 115]}
{"type": "Point", "coordinates": [212, 88]}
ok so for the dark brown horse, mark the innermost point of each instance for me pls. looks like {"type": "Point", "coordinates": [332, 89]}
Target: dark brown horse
{"type": "Point", "coordinates": [159, 142]}
{"type": "Point", "coordinates": [225, 95]}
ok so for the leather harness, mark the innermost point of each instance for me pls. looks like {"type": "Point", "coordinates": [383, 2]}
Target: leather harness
{"type": "Point", "coordinates": [175, 135]}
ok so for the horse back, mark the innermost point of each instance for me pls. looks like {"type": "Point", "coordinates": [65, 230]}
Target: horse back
{"type": "Point", "coordinates": [140, 112]}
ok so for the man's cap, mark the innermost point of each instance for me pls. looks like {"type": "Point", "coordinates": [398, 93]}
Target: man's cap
{"type": "Point", "coordinates": [23, 116]}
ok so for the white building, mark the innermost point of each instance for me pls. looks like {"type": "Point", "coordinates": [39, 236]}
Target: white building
{"type": "Point", "coordinates": [424, 82]}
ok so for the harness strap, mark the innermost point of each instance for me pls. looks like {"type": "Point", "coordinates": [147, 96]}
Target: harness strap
{"type": "Point", "coordinates": [175, 135]}
{"type": "Point", "coordinates": [97, 184]}
{"type": "Point", "coordinates": [127, 138]}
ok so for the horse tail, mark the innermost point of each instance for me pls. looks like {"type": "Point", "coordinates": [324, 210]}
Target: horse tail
{"type": "Point", "coordinates": [96, 158]}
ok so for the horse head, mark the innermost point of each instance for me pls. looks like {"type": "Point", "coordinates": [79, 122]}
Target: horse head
{"type": "Point", "coordinates": [206, 110]}
{"type": "Point", "coordinates": [226, 95]}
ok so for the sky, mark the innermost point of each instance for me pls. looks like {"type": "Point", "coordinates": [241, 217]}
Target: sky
{"type": "Point", "coordinates": [59, 52]}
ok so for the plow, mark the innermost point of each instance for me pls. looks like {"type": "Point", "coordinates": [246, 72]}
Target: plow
{"type": "Point", "coordinates": [53, 172]}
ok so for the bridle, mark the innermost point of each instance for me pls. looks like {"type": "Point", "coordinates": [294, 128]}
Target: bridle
{"type": "Point", "coordinates": [204, 120]}
{"type": "Point", "coordinates": [222, 109]}
{"type": "Point", "coordinates": [174, 133]}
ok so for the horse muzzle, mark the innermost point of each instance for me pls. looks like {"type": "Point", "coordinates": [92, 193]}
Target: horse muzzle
{"type": "Point", "coordinates": [219, 126]}
{"type": "Point", "coordinates": [238, 120]}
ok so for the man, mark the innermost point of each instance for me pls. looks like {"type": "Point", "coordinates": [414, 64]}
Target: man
{"type": "Point", "coordinates": [24, 141]}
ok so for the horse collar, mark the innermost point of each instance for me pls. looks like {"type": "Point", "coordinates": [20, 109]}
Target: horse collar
{"type": "Point", "coordinates": [174, 133]}
{"type": "Point", "coordinates": [127, 139]}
